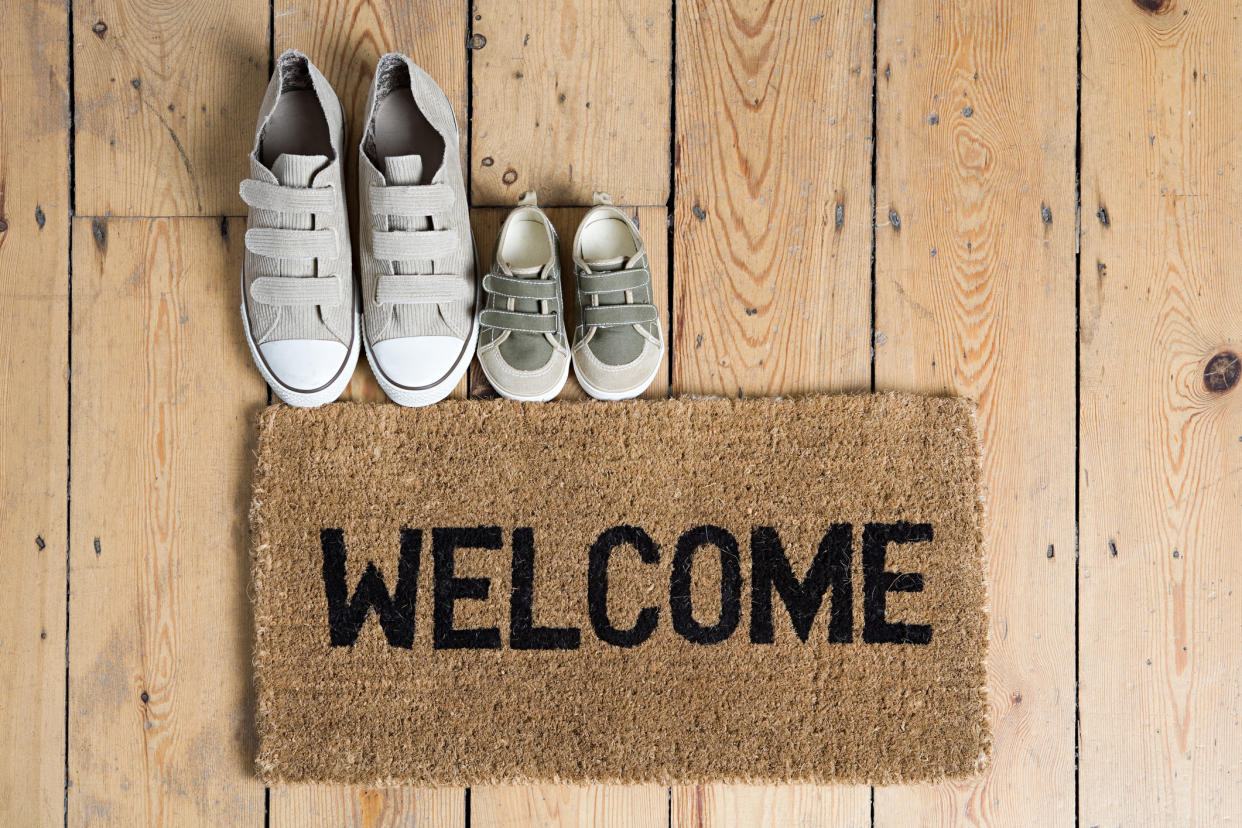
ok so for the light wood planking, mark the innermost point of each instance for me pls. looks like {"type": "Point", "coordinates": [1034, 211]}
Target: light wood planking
{"type": "Point", "coordinates": [772, 222]}
{"type": "Point", "coordinates": [166, 98]}
{"type": "Point", "coordinates": [34, 289]}
{"type": "Point", "coordinates": [772, 806]}
{"type": "Point", "coordinates": [975, 133]}
{"type": "Point", "coordinates": [164, 405]}
{"type": "Point", "coordinates": [1161, 576]}
{"type": "Point", "coordinates": [302, 805]}
{"type": "Point", "coordinates": [571, 97]}
{"type": "Point", "coordinates": [345, 39]}
{"type": "Point", "coordinates": [570, 806]}
{"type": "Point", "coordinates": [652, 224]}
{"type": "Point", "coordinates": [771, 284]}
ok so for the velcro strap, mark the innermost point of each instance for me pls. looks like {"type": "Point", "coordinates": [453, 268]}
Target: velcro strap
{"type": "Point", "coordinates": [518, 321]}
{"type": "Point", "coordinates": [266, 196]}
{"type": "Point", "coordinates": [411, 200]}
{"type": "Point", "coordinates": [292, 244]}
{"type": "Point", "coordinates": [516, 288]}
{"type": "Point", "coordinates": [612, 316]}
{"type": "Point", "coordinates": [613, 280]}
{"type": "Point", "coordinates": [294, 290]}
{"type": "Point", "coordinates": [408, 245]}
{"type": "Point", "coordinates": [427, 289]}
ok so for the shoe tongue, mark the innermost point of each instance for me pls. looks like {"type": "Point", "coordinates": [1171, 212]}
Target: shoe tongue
{"type": "Point", "coordinates": [297, 170]}
{"type": "Point", "coordinates": [403, 169]}
{"type": "Point", "coordinates": [535, 271]}
{"type": "Point", "coordinates": [615, 263]}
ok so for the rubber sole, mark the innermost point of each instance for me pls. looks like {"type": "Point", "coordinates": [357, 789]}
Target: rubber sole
{"type": "Point", "coordinates": [307, 399]}
{"type": "Point", "coordinates": [418, 397]}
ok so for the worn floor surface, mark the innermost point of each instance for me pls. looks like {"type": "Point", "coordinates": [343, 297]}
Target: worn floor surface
{"type": "Point", "coordinates": [1035, 205]}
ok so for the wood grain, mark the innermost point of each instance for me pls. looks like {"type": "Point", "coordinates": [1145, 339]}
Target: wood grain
{"type": "Point", "coordinates": [772, 220]}
{"type": "Point", "coordinates": [771, 289]}
{"type": "Point", "coordinates": [34, 313]}
{"type": "Point", "coordinates": [166, 98]}
{"type": "Point", "coordinates": [164, 402]}
{"type": "Point", "coordinates": [975, 297]}
{"type": "Point", "coordinates": [1161, 577]}
{"type": "Point", "coordinates": [772, 806]}
{"type": "Point", "coordinates": [345, 39]}
{"type": "Point", "coordinates": [300, 805]}
{"type": "Point", "coordinates": [570, 97]}
{"type": "Point", "coordinates": [569, 806]}
{"type": "Point", "coordinates": [652, 224]}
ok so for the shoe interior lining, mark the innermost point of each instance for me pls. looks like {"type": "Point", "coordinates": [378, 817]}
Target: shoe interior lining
{"type": "Point", "coordinates": [606, 237]}
{"type": "Point", "coordinates": [525, 244]}
{"type": "Point", "coordinates": [297, 126]}
{"type": "Point", "coordinates": [400, 128]}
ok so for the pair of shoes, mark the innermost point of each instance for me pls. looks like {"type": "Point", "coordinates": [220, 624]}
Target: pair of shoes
{"type": "Point", "coordinates": [618, 342]}
{"type": "Point", "coordinates": [414, 310]}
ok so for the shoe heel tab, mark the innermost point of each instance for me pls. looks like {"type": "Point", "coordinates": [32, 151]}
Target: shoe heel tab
{"type": "Point", "coordinates": [529, 199]}
{"type": "Point", "coordinates": [601, 198]}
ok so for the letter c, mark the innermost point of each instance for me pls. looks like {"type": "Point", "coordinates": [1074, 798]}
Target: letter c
{"type": "Point", "coordinates": [597, 586]}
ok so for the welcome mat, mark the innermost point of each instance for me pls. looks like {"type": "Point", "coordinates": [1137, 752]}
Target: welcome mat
{"type": "Point", "coordinates": [677, 591]}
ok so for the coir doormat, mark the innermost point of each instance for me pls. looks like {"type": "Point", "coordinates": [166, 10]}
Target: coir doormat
{"type": "Point", "coordinates": [675, 591]}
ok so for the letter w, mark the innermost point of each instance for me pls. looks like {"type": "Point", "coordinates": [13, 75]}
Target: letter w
{"type": "Point", "coordinates": [396, 612]}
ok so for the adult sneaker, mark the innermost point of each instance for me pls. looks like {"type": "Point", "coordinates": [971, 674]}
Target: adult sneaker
{"type": "Point", "coordinates": [618, 341]}
{"type": "Point", "coordinates": [299, 305]}
{"type": "Point", "coordinates": [523, 348]}
{"type": "Point", "coordinates": [419, 277]}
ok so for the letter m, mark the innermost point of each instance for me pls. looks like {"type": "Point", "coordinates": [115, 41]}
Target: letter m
{"type": "Point", "coordinates": [346, 615]}
{"type": "Point", "coordinates": [770, 570]}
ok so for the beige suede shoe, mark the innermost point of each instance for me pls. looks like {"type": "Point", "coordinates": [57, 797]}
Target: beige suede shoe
{"type": "Point", "coordinates": [618, 342]}
{"type": "Point", "coordinates": [523, 347]}
{"type": "Point", "coordinates": [299, 306]}
{"type": "Point", "coordinates": [419, 273]}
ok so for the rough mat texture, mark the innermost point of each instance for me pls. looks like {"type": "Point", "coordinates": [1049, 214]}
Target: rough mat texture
{"type": "Point", "coordinates": [620, 592]}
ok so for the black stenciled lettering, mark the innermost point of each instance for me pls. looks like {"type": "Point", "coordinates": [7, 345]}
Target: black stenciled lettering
{"type": "Point", "coordinates": [523, 634]}
{"type": "Point", "coordinates": [878, 582]}
{"type": "Point", "coordinates": [680, 601]}
{"type": "Point", "coordinates": [597, 586]}
{"type": "Point", "coordinates": [396, 612]}
{"type": "Point", "coordinates": [770, 569]}
{"type": "Point", "coordinates": [449, 589]}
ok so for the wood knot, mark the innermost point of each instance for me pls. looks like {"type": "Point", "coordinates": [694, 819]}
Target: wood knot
{"type": "Point", "coordinates": [476, 42]}
{"type": "Point", "coordinates": [1222, 372]}
{"type": "Point", "coordinates": [487, 162]}
{"type": "Point", "coordinates": [1155, 6]}
{"type": "Point", "coordinates": [510, 176]}
{"type": "Point", "coordinates": [100, 29]}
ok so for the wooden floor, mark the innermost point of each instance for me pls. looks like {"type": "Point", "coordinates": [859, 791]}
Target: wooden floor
{"type": "Point", "coordinates": [1035, 205]}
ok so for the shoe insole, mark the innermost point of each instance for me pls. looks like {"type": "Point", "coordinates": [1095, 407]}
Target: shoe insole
{"type": "Point", "coordinates": [297, 126]}
{"type": "Point", "coordinates": [402, 129]}
{"type": "Point", "coordinates": [526, 245]}
{"type": "Point", "coordinates": [605, 239]}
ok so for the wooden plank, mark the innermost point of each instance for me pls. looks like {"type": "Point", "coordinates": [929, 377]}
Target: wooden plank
{"type": "Point", "coordinates": [299, 805]}
{"type": "Point", "coordinates": [974, 260]}
{"type": "Point", "coordinates": [345, 39]}
{"type": "Point", "coordinates": [1161, 426]}
{"type": "Point", "coordinates": [652, 223]}
{"type": "Point", "coordinates": [570, 806]}
{"type": "Point", "coordinates": [571, 97]}
{"type": "Point", "coordinates": [772, 806]}
{"type": "Point", "coordinates": [772, 221]}
{"type": "Point", "coordinates": [34, 289]}
{"type": "Point", "coordinates": [164, 403]}
{"type": "Point", "coordinates": [166, 98]}
{"type": "Point", "coordinates": [772, 235]}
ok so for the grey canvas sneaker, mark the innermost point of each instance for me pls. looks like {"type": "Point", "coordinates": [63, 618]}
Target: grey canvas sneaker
{"type": "Point", "coordinates": [523, 348]}
{"type": "Point", "coordinates": [416, 250]}
{"type": "Point", "coordinates": [299, 305]}
{"type": "Point", "coordinates": [618, 342]}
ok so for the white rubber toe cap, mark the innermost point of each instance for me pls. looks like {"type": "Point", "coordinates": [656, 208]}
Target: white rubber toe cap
{"type": "Point", "coordinates": [417, 361]}
{"type": "Point", "coordinates": [304, 364]}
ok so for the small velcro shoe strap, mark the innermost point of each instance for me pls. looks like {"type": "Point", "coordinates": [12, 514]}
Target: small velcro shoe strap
{"type": "Point", "coordinates": [292, 290]}
{"type": "Point", "coordinates": [267, 196]}
{"type": "Point", "coordinates": [292, 244]}
{"type": "Point", "coordinates": [410, 245]}
{"type": "Point", "coordinates": [518, 321]}
{"type": "Point", "coordinates": [426, 289]}
{"type": "Point", "coordinates": [611, 281]}
{"type": "Point", "coordinates": [612, 316]}
{"type": "Point", "coordinates": [411, 200]}
{"type": "Point", "coordinates": [516, 288]}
